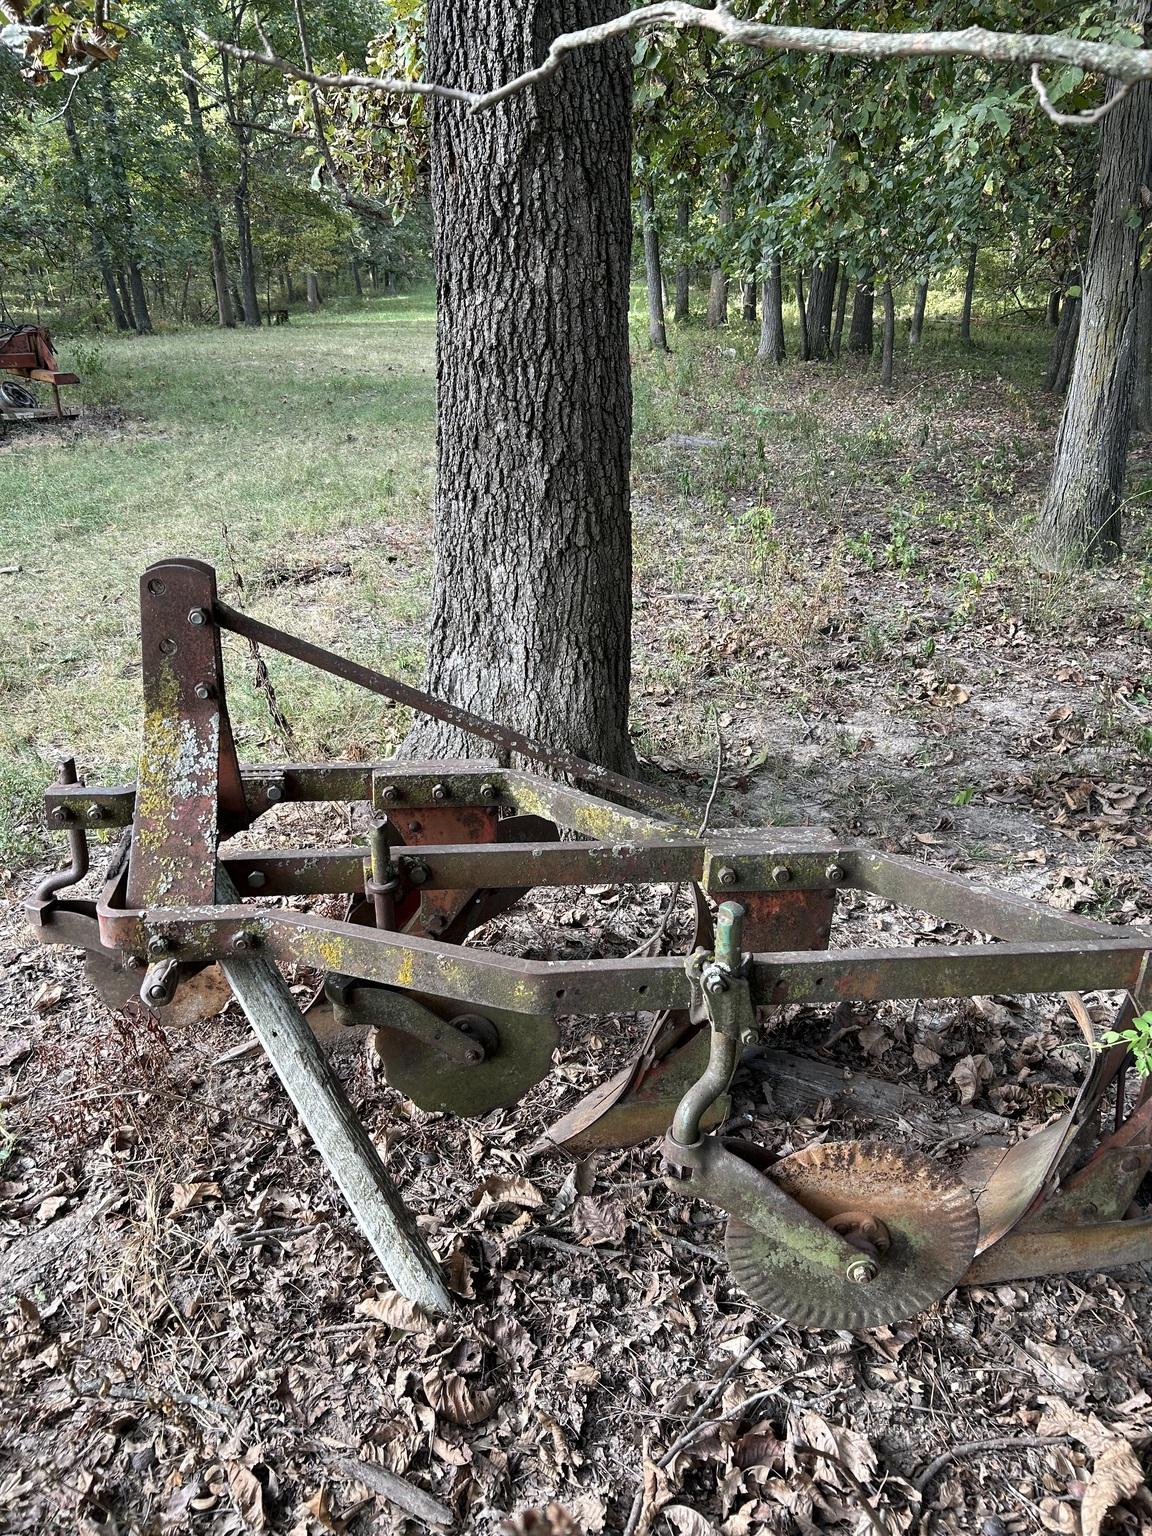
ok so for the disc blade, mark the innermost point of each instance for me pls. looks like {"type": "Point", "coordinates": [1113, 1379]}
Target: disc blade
{"type": "Point", "coordinates": [521, 1058]}
{"type": "Point", "coordinates": [931, 1219]}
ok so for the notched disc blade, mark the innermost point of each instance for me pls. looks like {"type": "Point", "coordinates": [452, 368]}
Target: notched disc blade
{"type": "Point", "coordinates": [930, 1216]}
{"type": "Point", "coordinates": [521, 1058]}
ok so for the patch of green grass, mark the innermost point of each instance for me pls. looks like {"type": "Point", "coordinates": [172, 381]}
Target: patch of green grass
{"type": "Point", "coordinates": [313, 443]}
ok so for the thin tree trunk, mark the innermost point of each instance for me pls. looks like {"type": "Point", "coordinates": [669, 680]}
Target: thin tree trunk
{"type": "Point", "coordinates": [718, 288]}
{"type": "Point", "coordinates": [1052, 313]}
{"type": "Point", "coordinates": [683, 270]}
{"type": "Point", "coordinates": [917, 331]}
{"type": "Point", "coordinates": [860, 339]}
{"type": "Point", "coordinates": [288, 287]}
{"type": "Point", "coordinates": [1081, 520]}
{"type": "Point", "coordinates": [99, 244]}
{"type": "Point", "coordinates": [241, 200]}
{"type": "Point", "coordinates": [653, 278]}
{"type": "Point", "coordinates": [748, 301]}
{"type": "Point", "coordinates": [312, 284]}
{"type": "Point", "coordinates": [225, 316]}
{"type": "Point", "coordinates": [141, 319]}
{"type": "Point", "coordinates": [1060, 344]}
{"type": "Point", "coordinates": [126, 300]}
{"type": "Point", "coordinates": [1071, 341]}
{"type": "Point", "coordinates": [969, 294]}
{"type": "Point", "coordinates": [531, 601]}
{"type": "Point", "coordinates": [841, 307]}
{"type": "Point", "coordinates": [888, 349]}
{"type": "Point", "coordinates": [357, 285]}
{"type": "Point", "coordinates": [1142, 363]}
{"type": "Point", "coordinates": [805, 348]}
{"type": "Point", "coordinates": [772, 347]}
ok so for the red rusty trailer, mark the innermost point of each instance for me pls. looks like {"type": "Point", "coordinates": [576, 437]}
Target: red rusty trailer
{"type": "Point", "coordinates": [26, 350]}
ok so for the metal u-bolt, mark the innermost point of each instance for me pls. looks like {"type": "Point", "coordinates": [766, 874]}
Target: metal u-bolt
{"type": "Point", "coordinates": [718, 976]}
{"type": "Point", "coordinates": [383, 874]}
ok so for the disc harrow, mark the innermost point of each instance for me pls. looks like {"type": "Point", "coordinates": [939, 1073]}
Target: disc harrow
{"type": "Point", "coordinates": [839, 1235]}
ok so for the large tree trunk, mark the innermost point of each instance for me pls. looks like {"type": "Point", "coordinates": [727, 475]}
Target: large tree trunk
{"type": "Point", "coordinates": [225, 317]}
{"type": "Point", "coordinates": [969, 294]}
{"type": "Point", "coordinates": [821, 300]}
{"type": "Point", "coordinates": [718, 288]}
{"type": "Point", "coordinates": [863, 312]}
{"type": "Point", "coordinates": [139, 302]}
{"type": "Point", "coordinates": [918, 309]}
{"type": "Point", "coordinates": [99, 244]}
{"type": "Point", "coordinates": [772, 317]}
{"type": "Point", "coordinates": [653, 277]}
{"type": "Point", "coordinates": [1080, 523]}
{"type": "Point", "coordinates": [683, 270]}
{"type": "Point", "coordinates": [532, 595]}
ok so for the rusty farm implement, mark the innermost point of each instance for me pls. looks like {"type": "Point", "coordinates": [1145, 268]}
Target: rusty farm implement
{"type": "Point", "coordinates": [27, 352]}
{"type": "Point", "coordinates": [847, 1234]}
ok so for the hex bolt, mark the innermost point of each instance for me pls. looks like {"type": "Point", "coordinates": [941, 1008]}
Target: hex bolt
{"type": "Point", "coordinates": [417, 871]}
{"type": "Point", "coordinates": [158, 945]}
{"type": "Point", "coordinates": [158, 992]}
{"type": "Point", "coordinates": [274, 793]}
{"type": "Point", "coordinates": [61, 815]}
{"type": "Point", "coordinates": [203, 690]}
{"type": "Point", "coordinates": [475, 1056]}
{"type": "Point", "coordinates": [134, 962]}
{"type": "Point", "coordinates": [781, 875]}
{"type": "Point", "coordinates": [198, 616]}
{"type": "Point", "coordinates": [391, 793]}
{"type": "Point", "coordinates": [440, 792]}
{"type": "Point", "coordinates": [243, 941]}
{"type": "Point", "coordinates": [257, 880]}
{"type": "Point", "coordinates": [1129, 1162]}
{"type": "Point", "coordinates": [834, 874]}
{"type": "Point", "coordinates": [727, 875]}
{"type": "Point", "coordinates": [95, 813]}
{"type": "Point", "coordinates": [862, 1271]}
{"type": "Point", "coordinates": [436, 923]}
{"type": "Point", "coordinates": [715, 980]}
{"type": "Point", "coordinates": [488, 791]}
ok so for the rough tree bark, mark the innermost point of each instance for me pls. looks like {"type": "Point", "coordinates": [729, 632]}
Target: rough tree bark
{"type": "Point", "coordinates": [802, 317]}
{"type": "Point", "coordinates": [653, 277]}
{"type": "Point", "coordinates": [1142, 362]}
{"type": "Point", "coordinates": [99, 244]}
{"type": "Point", "coordinates": [1052, 312]}
{"type": "Point", "coordinates": [225, 316]}
{"type": "Point", "coordinates": [748, 301]}
{"type": "Point", "coordinates": [718, 288]}
{"type": "Point", "coordinates": [312, 290]}
{"type": "Point", "coordinates": [863, 311]}
{"type": "Point", "coordinates": [1081, 520]}
{"type": "Point", "coordinates": [969, 294]}
{"type": "Point", "coordinates": [916, 332]}
{"type": "Point", "coordinates": [531, 603]}
{"type": "Point", "coordinates": [1063, 344]}
{"type": "Point", "coordinates": [821, 300]}
{"type": "Point", "coordinates": [841, 307]}
{"type": "Point", "coordinates": [772, 347]}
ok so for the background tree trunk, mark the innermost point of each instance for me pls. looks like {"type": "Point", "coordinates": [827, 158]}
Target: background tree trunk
{"type": "Point", "coordinates": [137, 310]}
{"type": "Point", "coordinates": [312, 289]}
{"type": "Point", "coordinates": [863, 311]}
{"type": "Point", "coordinates": [683, 270]}
{"type": "Point", "coordinates": [99, 244]}
{"type": "Point", "coordinates": [772, 347]}
{"type": "Point", "coordinates": [916, 331]}
{"type": "Point", "coordinates": [718, 289]}
{"type": "Point", "coordinates": [1060, 357]}
{"type": "Point", "coordinates": [225, 316]}
{"type": "Point", "coordinates": [1052, 312]}
{"type": "Point", "coordinates": [1080, 523]}
{"type": "Point", "coordinates": [802, 314]}
{"type": "Point", "coordinates": [1142, 362]}
{"type": "Point", "coordinates": [888, 348]}
{"type": "Point", "coordinates": [821, 299]}
{"type": "Point", "coordinates": [532, 594]}
{"type": "Point", "coordinates": [653, 277]}
{"type": "Point", "coordinates": [748, 301]}
{"type": "Point", "coordinates": [841, 307]}
{"type": "Point", "coordinates": [969, 294]}
{"type": "Point", "coordinates": [357, 284]}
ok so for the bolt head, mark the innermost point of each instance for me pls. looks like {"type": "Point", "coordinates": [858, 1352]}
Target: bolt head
{"type": "Point", "coordinates": [391, 793]}
{"type": "Point", "coordinates": [488, 791]}
{"type": "Point", "coordinates": [243, 941]}
{"type": "Point", "coordinates": [157, 992]}
{"type": "Point", "coordinates": [274, 793]}
{"type": "Point", "coordinates": [158, 945]}
{"type": "Point", "coordinates": [862, 1271]}
{"type": "Point", "coordinates": [834, 874]}
{"type": "Point", "coordinates": [257, 880]}
{"type": "Point", "coordinates": [417, 871]}
{"type": "Point", "coordinates": [61, 815]}
{"type": "Point", "coordinates": [781, 875]}
{"type": "Point", "coordinates": [715, 981]}
{"type": "Point", "coordinates": [727, 875]}
{"type": "Point", "coordinates": [198, 616]}
{"type": "Point", "coordinates": [94, 813]}
{"type": "Point", "coordinates": [440, 792]}
{"type": "Point", "coordinates": [203, 690]}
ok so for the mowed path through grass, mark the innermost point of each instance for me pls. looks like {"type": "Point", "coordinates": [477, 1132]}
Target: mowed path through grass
{"type": "Point", "coordinates": [312, 443]}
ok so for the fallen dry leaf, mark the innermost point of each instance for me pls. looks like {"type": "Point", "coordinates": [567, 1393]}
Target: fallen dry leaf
{"type": "Point", "coordinates": [1116, 1471]}
{"type": "Point", "coordinates": [186, 1196]}
{"type": "Point", "coordinates": [395, 1311]}
{"type": "Point", "coordinates": [452, 1397]}
{"type": "Point", "coordinates": [513, 1190]}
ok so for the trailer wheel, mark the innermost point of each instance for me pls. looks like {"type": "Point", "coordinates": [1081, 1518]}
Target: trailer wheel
{"type": "Point", "coordinates": [16, 397]}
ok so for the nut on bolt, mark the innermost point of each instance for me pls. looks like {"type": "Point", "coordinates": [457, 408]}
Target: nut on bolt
{"type": "Point", "coordinates": [158, 945]}
{"type": "Point", "coordinates": [61, 815]}
{"type": "Point", "coordinates": [95, 813]}
{"type": "Point", "coordinates": [417, 871]}
{"type": "Point", "coordinates": [198, 616]}
{"type": "Point", "coordinates": [440, 792]}
{"type": "Point", "coordinates": [488, 791]}
{"type": "Point", "coordinates": [834, 874]}
{"type": "Point", "coordinates": [257, 880]}
{"type": "Point", "coordinates": [727, 875]}
{"type": "Point", "coordinates": [781, 875]}
{"type": "Point", "coordinates": [862, 1271]}
{"type": "Point", "coordinates": [274, 792]}
{"type": "Point", "coordinates": [714, 980]}
{"type": "Point", "coordinates": [203, 690]}
{"type": "Point", "coordinates": [245, 940]}
{"type": "Point", "coordinates": [391, 793]}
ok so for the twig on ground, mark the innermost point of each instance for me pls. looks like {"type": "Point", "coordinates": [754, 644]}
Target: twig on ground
{"type": "Point", "coordinates": [397, 1490]}
{"type": "Point", "coordinates": [971, 1447]}
{"type": "Point", "coordinates": [102, 1387]}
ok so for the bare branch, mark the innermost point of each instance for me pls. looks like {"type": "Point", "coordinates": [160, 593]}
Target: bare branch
{"type": "Point", "coordinates": [1123, 64]}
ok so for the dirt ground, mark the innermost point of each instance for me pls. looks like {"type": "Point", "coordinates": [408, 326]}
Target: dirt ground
{"type": "Point", "coordinates": [195, 1335]}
